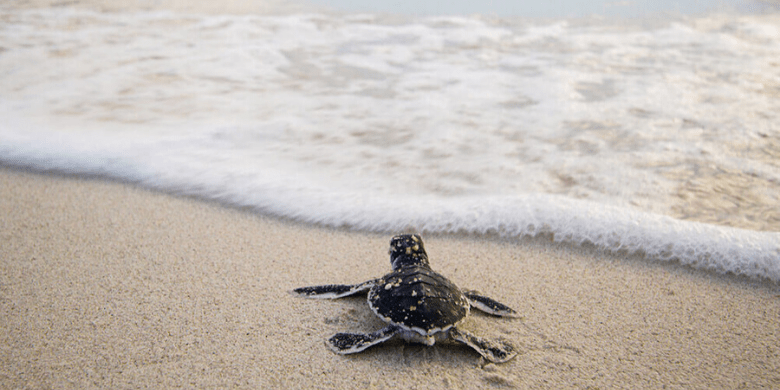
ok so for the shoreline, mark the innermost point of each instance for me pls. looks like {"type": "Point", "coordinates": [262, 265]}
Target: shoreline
{"type": "Point", "coordinates": [108, 285]}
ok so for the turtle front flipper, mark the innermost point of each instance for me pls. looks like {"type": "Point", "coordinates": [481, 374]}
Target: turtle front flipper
{"type": "Point", "coordinates": [494, 350]}
{"type": "Point", "coordinates": [489, 305]}
{"type": "Point", "coordinates": [332, 291]}
{"type": "Point", "coordinates": [346, 343]}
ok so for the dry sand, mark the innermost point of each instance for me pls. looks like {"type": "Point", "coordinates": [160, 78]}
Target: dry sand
{"type": "Point", "coordinates": [109, 286]}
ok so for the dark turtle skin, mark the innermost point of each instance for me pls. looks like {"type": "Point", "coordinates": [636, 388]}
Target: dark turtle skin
{"type": "Point", "coordinates": [418, 304]}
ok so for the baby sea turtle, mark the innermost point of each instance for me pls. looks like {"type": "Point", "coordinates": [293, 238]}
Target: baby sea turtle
{"type": "Point", "coordinates": [418, 304]}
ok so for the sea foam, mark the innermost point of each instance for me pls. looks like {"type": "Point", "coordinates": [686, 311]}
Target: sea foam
{"type": "Point", "coordinates": [609, 134]}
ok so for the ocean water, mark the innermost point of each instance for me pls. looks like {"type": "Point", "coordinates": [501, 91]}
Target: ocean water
{"type": "Point", "coordinates": [653, 135]}
{"type": "Point", "coordinates": [548, 9]}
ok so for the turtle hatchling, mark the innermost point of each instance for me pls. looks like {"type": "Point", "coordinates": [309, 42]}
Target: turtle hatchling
{"type": "Point", "coordinates": [418, 304]}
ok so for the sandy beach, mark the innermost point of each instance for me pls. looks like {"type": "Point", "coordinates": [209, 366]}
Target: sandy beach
{"type": "Point", "coordinates": [105, 285]}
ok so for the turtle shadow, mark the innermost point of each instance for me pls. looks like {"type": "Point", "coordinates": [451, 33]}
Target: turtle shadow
{"type": "Point", "coordinates": [444, 365]}
{"type": "Point", "coordinates": [401, 354]}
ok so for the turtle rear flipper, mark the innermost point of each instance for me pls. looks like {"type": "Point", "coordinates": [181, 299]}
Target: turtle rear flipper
{"type": "Point", "coordinates": [346, 343]}
{"type": "Point", "coordinates": [332, 291]}
{"type": "Point", "coordinates": [489, 305]}
{"type": "Point", "coordinates": [494, 350]}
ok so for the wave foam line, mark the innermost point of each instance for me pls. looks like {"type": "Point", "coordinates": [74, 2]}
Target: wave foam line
{"type": "Point", "coordinates": [266, 189]}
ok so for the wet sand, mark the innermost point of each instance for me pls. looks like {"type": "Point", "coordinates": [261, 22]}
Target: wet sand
{"type": "Point", "coordinates": [107, 285]}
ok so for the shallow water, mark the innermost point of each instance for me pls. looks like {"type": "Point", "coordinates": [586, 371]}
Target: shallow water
{"type": "Point", "coordinates": [548, 9]}
{"type": "Point", "coordinates": [651, 135]}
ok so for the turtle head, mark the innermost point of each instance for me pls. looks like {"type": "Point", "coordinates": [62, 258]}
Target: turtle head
{"type": "Point", "coordinates": [406, 250]}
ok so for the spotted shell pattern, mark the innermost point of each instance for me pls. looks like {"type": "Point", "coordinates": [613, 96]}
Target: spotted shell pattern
{"type": "Point", "coordinates": [418, 299]}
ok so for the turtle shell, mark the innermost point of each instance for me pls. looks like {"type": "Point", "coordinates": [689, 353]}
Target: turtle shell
{"type": "Point", "coordinates": [419, 299]}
